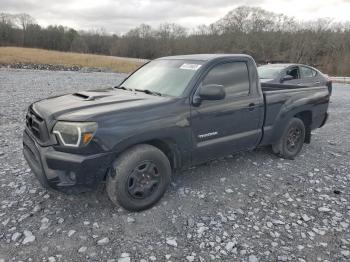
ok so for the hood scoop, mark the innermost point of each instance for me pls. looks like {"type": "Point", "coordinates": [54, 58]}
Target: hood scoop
{"type": "Point", "coordinates": [87, 97]}
{"type": "Point", "coordinates": [83, 96]}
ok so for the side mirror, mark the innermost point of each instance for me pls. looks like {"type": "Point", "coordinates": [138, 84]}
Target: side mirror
{"type": "Point", "coordinates": [286, 78]}
{"type": "Point", "coordinates": [209, 92]}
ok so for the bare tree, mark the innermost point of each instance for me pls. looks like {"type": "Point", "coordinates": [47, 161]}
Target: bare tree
{"type": "Point", "coordinates": [265, 35]}
{"type": "Point", "coordinates": [24, 20]}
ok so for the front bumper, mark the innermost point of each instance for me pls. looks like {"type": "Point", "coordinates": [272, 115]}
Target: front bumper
{"type": "Point", "coordinates": [70, 173]}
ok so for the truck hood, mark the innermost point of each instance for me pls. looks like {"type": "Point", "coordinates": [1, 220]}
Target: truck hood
{"type": "Point", "coordinates": [89, 105]}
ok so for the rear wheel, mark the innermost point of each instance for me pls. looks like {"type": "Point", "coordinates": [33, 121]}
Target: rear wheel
{"type": "Point", "coordinates": [139, 178]}
{"type": "Point", "coordinates": [292, 139]}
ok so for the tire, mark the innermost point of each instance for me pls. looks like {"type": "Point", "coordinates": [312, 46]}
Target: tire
{"type": "Point", "coordinates": [139, 178]}
{"type": "Point", "coordinates": [292, 139]}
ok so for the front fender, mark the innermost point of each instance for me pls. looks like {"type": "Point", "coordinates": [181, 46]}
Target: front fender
{"type": "Point", "coordinates": [174, 142]}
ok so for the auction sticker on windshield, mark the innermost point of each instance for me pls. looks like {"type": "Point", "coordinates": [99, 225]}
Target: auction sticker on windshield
{"type": "Point", "coordinates": [190, 66]}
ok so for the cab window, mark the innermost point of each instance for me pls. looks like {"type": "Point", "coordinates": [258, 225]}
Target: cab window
{"type": "Point", "coordinates": [233, 76]}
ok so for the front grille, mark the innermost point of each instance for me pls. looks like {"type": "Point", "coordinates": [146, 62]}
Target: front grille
{"type": "Point", "coordinates": [36, 125]}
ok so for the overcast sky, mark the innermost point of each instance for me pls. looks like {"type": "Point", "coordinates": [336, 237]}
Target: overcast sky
{"type": "Point", "coordinates": [121, 15]}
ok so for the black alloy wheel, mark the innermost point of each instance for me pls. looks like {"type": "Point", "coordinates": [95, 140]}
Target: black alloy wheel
{"type": "Point", "coordinates": [144, 180]}
{"type": "Point", "coordinates": [294, 138]}
{"type": "Point", "coordinates": [139, 177]}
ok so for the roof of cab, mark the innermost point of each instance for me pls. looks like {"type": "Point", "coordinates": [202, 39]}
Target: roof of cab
{"type": "Point", "coordinates": [203, 57]}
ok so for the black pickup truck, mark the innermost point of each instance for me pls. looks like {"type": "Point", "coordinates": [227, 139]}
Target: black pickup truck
{"type": "Point", "coordinates": [172, 113]}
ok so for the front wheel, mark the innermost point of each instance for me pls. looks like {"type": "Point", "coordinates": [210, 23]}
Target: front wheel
{"type": "Point", "coordinates": [292, 139]}
{"type": "Point", "coordinates": [139, 178]}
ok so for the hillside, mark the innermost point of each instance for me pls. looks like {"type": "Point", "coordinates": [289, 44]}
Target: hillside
{"type": "Point", "coordinates": [15, 55]}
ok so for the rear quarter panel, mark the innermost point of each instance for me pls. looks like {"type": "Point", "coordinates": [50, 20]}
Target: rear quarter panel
{"type": "Point", "coordinates": [282, 105]}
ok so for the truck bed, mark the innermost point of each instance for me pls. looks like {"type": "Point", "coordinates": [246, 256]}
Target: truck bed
{"type": "Point", "coordinates": [282, 103]}
{"type": "Point", "coordinates": [274, 87]}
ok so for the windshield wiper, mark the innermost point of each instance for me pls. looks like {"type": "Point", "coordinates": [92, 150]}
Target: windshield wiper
{"type": "Point", "coordinates": [149, 92]}
{"type": "Point", "coordinates": [123, 88]}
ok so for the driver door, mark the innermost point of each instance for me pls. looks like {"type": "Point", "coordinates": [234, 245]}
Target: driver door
{"type": "Point", "coordinates": [224, 126]}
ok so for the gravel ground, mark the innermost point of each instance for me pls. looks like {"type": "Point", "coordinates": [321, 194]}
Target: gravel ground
{"type": "Point", "coordinates": [246, 207]}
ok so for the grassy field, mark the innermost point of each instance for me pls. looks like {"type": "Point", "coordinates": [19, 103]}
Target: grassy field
{"type": "Point", "coordinates": [12, 55]}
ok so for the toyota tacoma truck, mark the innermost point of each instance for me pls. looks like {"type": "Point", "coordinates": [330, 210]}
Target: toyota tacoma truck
{"type": "Point", "coordinates": [170, 114]}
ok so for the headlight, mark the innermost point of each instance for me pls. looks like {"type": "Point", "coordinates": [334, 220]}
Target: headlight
{"type": "Point", "coordinates": [75, 134]}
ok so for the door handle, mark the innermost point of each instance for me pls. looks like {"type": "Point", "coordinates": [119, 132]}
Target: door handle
{"type": "Point", "coordinates": [317, 83]}
{"type": "Point", "coordinates": [251, 107]}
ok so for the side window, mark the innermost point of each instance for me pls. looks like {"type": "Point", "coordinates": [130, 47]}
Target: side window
{"type": "Point", "coordinates": [233, 76]}
{"type": "Point", "coordinates": [294, 72]}
{"type": "Point", "coordinates": [308, 72]}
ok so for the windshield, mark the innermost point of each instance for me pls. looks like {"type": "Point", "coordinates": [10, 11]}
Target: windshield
{"type": "Point", "coordinates": [269, 72]}
{"type": "Point", "coordinates": [166, 77]}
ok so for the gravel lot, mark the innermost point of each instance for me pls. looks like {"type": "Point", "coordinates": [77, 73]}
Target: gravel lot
{"type": "Point", "coordinates": [247, 207]}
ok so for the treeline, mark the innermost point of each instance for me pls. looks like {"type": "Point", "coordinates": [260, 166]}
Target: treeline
{"type": "Point", "coordinates": [265, 35]}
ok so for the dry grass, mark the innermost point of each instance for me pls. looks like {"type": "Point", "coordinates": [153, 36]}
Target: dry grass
{"type": "Point", "coordinates": [12, 55]}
